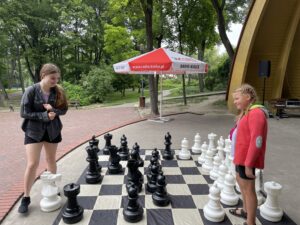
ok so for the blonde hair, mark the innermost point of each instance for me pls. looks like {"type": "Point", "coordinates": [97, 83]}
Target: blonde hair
{"type": "Point", "coordinates": [61, 99]}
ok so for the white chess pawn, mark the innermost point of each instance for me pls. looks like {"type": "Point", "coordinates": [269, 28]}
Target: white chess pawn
{"type": "Point", "coordinates": [270, 210]}
{"type": "Point", "coordinates": [258, 187]}
{"type": "Point", "coordinates": [211, 144]}
{"type": "Point", "coordinates": [50, 201]}
{"type": "Point", "coordinates": [201, 158]}
{"type": "Point", "coordinates": [220, 148]}
{"type": "Point", "coordinates": [197, 145]}
{"type": "Point", "coordinates": [227, 151]}
{"type": "Point", "coordinates": [228, 195]}
{"type": "Point", "coordinates": [184, 152]}
{"type": "Point", "coordinates": [208, 164]}
{"type": "Point", "coordinates": [213, 210]}
{"type": "Point", "coordinates": [221, 177]}
{"type": "Point", "coordinates": [214, 173]}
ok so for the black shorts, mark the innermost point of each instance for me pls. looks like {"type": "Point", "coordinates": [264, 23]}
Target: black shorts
{"type": "Point", "coordinates": [29, 140]}
{"type": "Point", "coordinates": [241, 171]}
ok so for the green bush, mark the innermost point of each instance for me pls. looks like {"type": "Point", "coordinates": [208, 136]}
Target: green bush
{"type": "Point", "coordinates": [75, 92]}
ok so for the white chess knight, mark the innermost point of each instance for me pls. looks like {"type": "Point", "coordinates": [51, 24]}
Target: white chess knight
{"type": "Point", "coordinates": [201, 158]}
{"type": "Point", "coordinates": [228, 194]}
{"type": "Point", "coordinates": [211, 144]}
{"type": "Point", "coordinates": [50, 201]}
{"type": "Point", "coordinates": [184, 152]}
{"type": "Point", "coordinates": [213, 210]}
{"type": "Point", "coordinates": [270, 210]}
{"type": "Point", "coordinates": [197, 145]}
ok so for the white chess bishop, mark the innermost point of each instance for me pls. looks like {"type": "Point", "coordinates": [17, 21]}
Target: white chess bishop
{"type": "Point", "coordinates": [184, 152]}
{"type": "Point", "coordinates": [270, 210]}
{"type": "Point", "coordinates": [213, 210]}
{"type": "Point", "coordinates": [228, 194]}
{"type": "Point", "coordinates": [197, 145]}
{"type": "Point", "coordinates": [201, 158]}
{"type": "Point", "coordinates": [50, 201]}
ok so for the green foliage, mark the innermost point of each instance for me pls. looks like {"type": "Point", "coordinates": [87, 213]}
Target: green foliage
{"type": "Point", "coordinates": [97, 84]}
{"type": "Point", "coordinates": [75, 92]}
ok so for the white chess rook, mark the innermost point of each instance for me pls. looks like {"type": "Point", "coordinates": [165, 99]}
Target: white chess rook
{"type": "Point", "coordinates": [213, 210]}
{"type": "Point", "coordinates": [270, 210]}
{"type": "Point", "coordinates": [201, 158]}
{"type": "Point", "coordinates": [211, 144]}
{"type": "Point", "coordinates": [50, 201]}
{"type": "Point", "coordinates": [184, 152]}
{"type": "Point", "coordinates": [228, 195]}
{"type": "Point", "coordinates": [197, 145]}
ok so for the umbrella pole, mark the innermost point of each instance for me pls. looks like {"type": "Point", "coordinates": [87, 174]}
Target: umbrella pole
{"type": "Point", "coordinates": [161, 97]}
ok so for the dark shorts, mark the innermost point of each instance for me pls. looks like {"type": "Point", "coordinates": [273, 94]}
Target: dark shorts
{"type": "Point", "coordinates": [29, 140]}
{"type": "Point", "coordinates": [241, 171]}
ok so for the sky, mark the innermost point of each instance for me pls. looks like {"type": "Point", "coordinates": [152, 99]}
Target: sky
{"type": "Point", "coordinates": [233, 36]}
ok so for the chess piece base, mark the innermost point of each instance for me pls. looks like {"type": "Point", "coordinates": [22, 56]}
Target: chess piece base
{"type": "Point", "coordinates": [93, 178]}
{"type": "Point", "coordinates": [49, 204]}
{"type": "Point", "coordinates": [115, 169]}
{"type": "Point", "coordinates": [133, 216]}
{"type": "Point", "coordinates": [73, 217]}
{"type": "Point", "coordinates": [160, 200]}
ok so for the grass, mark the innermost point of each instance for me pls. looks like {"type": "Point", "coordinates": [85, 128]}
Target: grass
{"type": "Point", "coordinates": [116, 98]}
{"type": "Point", "coordinates": [189, 90]}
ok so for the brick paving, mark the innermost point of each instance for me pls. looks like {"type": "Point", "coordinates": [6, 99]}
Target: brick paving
{"type": "Point", "coordinates": [79, 126]}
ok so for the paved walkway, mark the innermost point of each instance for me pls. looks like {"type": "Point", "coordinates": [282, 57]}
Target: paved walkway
{"type": "Point", "coordinates": [79, 126]}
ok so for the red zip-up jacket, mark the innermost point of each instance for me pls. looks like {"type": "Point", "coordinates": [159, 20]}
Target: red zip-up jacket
{"type": "Point", "coordinates": [250, 146]}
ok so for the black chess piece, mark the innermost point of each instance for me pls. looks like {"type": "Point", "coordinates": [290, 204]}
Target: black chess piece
{"type": "Point", "coordinates": [160, 197]}
{"type": "Point", "coordinates": [134, 211]}
{"type": "Point", "coordinates": [124, 150]}
{"type": "Point", "coordinates": [114, 166]}
{"type": "Point", "coordinates": [107, 138]}
{"type": "Point", "coordinates": [151, 185]}
{"type": "Point", "coordinates": [168, 153]}
{"type": "Point", "coordinates": [73, 212]}
{"type": "Point", "coordinates": [94, 142]}
{"type": "Point", "coordinates": [153, 161]}
{"type": "Point", "coordinates": [93, 175]}
{"type": "Point", "coordinates": [134, 175]}
{"type": "Point", "coordinates": [135, 154]}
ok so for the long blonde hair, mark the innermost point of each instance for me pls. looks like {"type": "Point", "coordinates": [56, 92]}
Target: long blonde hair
{"type": "Point", "coordinates": [61, 99]}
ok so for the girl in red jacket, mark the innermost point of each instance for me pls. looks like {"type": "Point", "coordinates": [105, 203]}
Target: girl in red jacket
{"type": "Point", "coordinates": [249, 147]}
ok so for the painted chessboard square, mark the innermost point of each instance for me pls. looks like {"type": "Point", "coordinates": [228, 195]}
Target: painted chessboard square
{"type": "Point", "coordinates": [199, 189]}
{"type": "Point", "coordinates": [200, 200]}
{"type": "Point", "coordinates": [104, 217]}
{"type": "Point", "coordinates": [108, 202]}
{"type": "Point", "coordinates": [190, 170]}
{"type": "Point", "coordinates": [89, 190]}
{"type": "Point", "coordinates": [182, 201]}
{"type": "Point", "coordinates": [208, 179]}
{"type": "Point", "coordinates": [87, 202]}
{"type": "Point", "coordinates": [178, 189]}
{"type": "Point", "coordinates": [113, 179]}
{"type": "Point", "coordinates": [159, 217]}
{"type": "Point", "coordinates": [111, 189]}
{"type": "Point", "coordinates": [171, 171]}
{"type": "Point", "coordinates": [187, 216]}
{"type": "Point", "coordinates": [194, 179]}
{"type": "Point", "coordinates": [186, 163]}
{"type": "Point", "coordinates": [169, 163]}
{"type": "Point", "coordinates": [174, 179]}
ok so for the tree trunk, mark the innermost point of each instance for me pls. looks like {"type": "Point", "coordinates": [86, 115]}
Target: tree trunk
{"type": "Point", "coordinates": [201, 49]}
{"type": "Point", "coordinates": [221, 27]}
{"type": "Point", "coordinates": [20, 70]}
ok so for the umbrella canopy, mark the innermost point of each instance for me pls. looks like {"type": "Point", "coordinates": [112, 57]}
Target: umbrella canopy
{"type": "Point", "coordinates": [161, 61]}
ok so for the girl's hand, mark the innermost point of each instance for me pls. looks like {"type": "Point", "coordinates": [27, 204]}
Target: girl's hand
{"type": "Point", "coordinates": [249, 172]}
{"type": "Point", "coordinates": [48, 107]}
{"type": "Point", "coordinates": [51, 115]}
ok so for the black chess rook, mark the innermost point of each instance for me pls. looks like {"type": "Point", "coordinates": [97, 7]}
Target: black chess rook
{"type": "Point", "coordinates": [107, 138]}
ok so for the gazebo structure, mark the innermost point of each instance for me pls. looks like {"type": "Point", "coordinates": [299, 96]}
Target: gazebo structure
{"type": "Point", "coordinates": [271, 33]}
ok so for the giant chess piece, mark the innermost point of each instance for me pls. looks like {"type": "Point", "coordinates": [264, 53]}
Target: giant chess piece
{"type": "Point", "coordinates": [213, 210]}
{"type": "Point", "coordinates": [114, 166]}
{"type": "Point", "coordinates": [270, 210]}
{"type": "Point", "coordinates": [160, 197]}
{"type": "Point", "coordinates": [211, 144]}
{"type": "Point", "coordinates": [94, 142]}
{"type": "Point", "coordinates": [134, 211]}
{"type": "Point", "coordinates": [135, 154]}
{"type": "Point", "coordinates": [184, 152]}
{"type": "Point", "coordinates": [152, 180]}
{"type": "Point", "coordinates": [258, 186]}
{"type": "Point", "coordinates": [124, 150]}
{"type": "Point", "coordinates": [153, 161]}
{"type": "Point", "coordinates": [227, 151]}
{"type": "Point", "coordinates": [207, 166]}
{"type": "Point", "coordinates": [220, 148]}
{"type": "Point", "coordinates": [134, 176]}
{"type": "Point", "coordinates": [228, 195]}
{"type": "Point", "coordinates": [168, 153]}
{"type": "Point", "coordinates": [107, 138]}
{"type": "Point", "coordinates": [201, 158]}
{"type": "Point", "coordinates": [73, 213]}
{"type": "Point", "coordinates": [92, 175]}
{"type": "Point", "coordinates": [221, 175]}
{"type": "Point", "coordinates": [214, 173]}
{"type": "Point", "coordinates": [197, 144]}
{"type": "Point", "coordinates": [50, 201]}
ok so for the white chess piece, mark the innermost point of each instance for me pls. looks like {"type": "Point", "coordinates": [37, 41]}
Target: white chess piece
{"type": "Point", "coordinates": [208, 164]}
{"type": "Point", "coordinates": [214, 173]}
{"type": "Point", "coordinates": [221, 177]}
{"type": "Point", "coordinates": [50, 201]}
{"type": "Point", "coordinates": [258, 187]}
{"type": "Point", "coordinates": [270, 210]}
{"type": "Point", "coordinates": [213, 210]}
{"type": "Point", "coordinates": [228, 195]}
{"type": "Point", "coordinates": [201, 158]}
{"type": "Point", "coordinates": [220, 148]}
{"type": "Point", "coordinates": [197, 145]}
{"type": "Point", "coordinates": [227, 151]}
{"type": "Point", "coordinates": [184, 152]}
{"type": "Point", "coordinates": [211, 144]}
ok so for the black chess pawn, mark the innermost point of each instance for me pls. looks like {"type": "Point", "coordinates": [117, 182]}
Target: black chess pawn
{"type": "Point", "coordinates": [160, 197]}
{"type": "Point", "coordinates": [107, 138]}
{"type": "Point", "coordinates": [93, 175]}
{"type": "Point", "coordinates": [123, 150]}
{"type": "Point", "coordinates": [94, 142]}
{"type": "Point", "coordinates": [135, 154]}
{"type": "Point", "coordinates": [134, 211]}
{"type": "Point", "coordinates": [114, 166]}
{"type": "Point", "coordinates": [151, 185]}
{"type": "Point", "coordinates": [153, 161]}
{"type": "Point", "coordinates": [73, 212]}
{"type": "Point", "coordinates": [168, 154]}
{"type": "Point", "coordinates": [134, 175]}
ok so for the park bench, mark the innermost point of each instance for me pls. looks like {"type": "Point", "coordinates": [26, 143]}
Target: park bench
{"type": "Point", "coordinates": [281, 105]}
{"type": "Point", "coordinates": [74, 103]}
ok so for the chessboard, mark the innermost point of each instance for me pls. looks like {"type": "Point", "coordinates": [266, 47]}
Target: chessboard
{"type": "Point", "coordinates": [187, 187]}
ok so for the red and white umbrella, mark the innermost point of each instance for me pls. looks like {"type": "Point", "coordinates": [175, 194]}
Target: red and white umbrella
{"type": "Point", "coordinates": [161, 61]}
